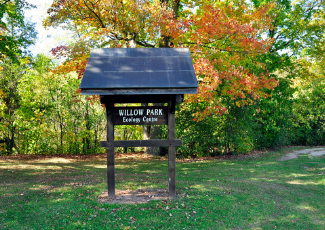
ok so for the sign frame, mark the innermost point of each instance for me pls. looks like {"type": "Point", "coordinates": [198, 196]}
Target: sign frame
{"type": "Point", "coordinates": [171, 142]}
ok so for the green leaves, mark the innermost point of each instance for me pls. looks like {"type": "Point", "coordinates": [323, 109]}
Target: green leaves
{"type": "Point", "coordinates": [15, 33]}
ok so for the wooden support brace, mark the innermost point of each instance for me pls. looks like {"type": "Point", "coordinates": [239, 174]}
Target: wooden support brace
{"type": "Point", "coordinates": [171, 142]}
{"type": "Point", "coordinates": [171, 149]}
{"type": "Point", "coordinates": [110, 151]}
{"type": "Point", "coordinates": [141, 143]}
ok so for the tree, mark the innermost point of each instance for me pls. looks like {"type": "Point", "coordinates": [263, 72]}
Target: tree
{"type": "Point", "coordinates": [225, 39]}
{"type": "Point", "coordinates": [297, 31]}
{"type": "Point", "coordinates": [50, 117]}
{"type": "Point", "coordinates": [16, 34]}
{"type": "Point", "coordinates": [9, 103]}
{"type": "Point", "coordinates": [215, 32]}
{"type": "Point", "coordinates": [15, 37]}
{"type": "Point", "coordinates": [309, 107]}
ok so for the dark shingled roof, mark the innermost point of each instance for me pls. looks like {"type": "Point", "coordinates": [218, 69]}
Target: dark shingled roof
{"type": "Point", "coordinates": [127, 71]}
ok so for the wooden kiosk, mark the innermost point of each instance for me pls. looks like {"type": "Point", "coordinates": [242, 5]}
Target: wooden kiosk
{"type": "Point", "coordinates": [140, 75]}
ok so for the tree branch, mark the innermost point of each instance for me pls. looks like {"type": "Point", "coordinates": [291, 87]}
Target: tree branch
{"type": "Point", "coordinates": [96, 15]}
{"type": "Point", "coordinates": [4, 3]}
{"type": "Point", "coordinates": [206, 45]}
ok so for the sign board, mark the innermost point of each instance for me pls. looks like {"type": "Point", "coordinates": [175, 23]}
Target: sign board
{"type": "Point", "coordinates": [147, 115]}
{"type": "Point", "coordinates": [140, 75]}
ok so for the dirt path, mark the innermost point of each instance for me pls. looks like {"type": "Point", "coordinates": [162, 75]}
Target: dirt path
{"type": "Point", "coordinates": [314, 152]}
{"type": "Point", "coordinates": [134, 197]}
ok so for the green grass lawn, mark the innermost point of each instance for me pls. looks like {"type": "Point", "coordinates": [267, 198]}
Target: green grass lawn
{"type": "Point", "coordinates": [249, 193]}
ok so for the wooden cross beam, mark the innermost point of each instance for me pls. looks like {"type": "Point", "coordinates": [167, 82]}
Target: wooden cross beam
{"type": "Point", "coordinates": [171, 142]}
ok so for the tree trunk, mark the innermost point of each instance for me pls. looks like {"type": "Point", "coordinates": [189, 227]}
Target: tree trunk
{"type": "Point", "coordinates": [152, 132]}
{"type": "Point", "coordinates": [125, 149]}
{"type": "Point", "coordinates": [11, 141]}
{"type": "Point", "coordinates": [86, 140]}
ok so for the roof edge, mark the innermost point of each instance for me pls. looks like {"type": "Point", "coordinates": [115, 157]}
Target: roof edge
{"type": "Point", "coordinates": [138, 91]}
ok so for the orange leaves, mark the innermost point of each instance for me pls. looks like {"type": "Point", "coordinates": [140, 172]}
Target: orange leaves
{"type": "Point", "coordinates": [75, 58]}
{"type": "Point", "coordinates": [225, 30]}
{"type": "Point", "coordinates": [77, 65]}
{"type": "Point", "coordinates": [236, 84]}
{"type": "Point", "coordinates": [224, 38]}
{"type": "Point", "coordinates": [207, 74]}
{"type": "Point", "coordinates": [93, 99]}
{"type": "Point", "coordinates": [170, 26]}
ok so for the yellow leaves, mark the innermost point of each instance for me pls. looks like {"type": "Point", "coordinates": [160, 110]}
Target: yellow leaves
{"type": "Point", "coordinates": [2, 145]}
{"type": "Point", "coordinates": [230, 31]}
{"type": "Point", "coordinates": [219, 34]}
{"type": "Point", "coordinates": [297, 83]}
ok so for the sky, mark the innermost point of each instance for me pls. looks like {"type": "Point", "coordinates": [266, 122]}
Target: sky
{"type": "Point", "coordinates": [47, 38]}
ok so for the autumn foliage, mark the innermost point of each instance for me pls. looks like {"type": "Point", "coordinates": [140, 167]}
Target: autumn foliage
{"type": "Point", "coordinates": [259, 65]}
{"type": "Point", "coordinates": [222, 38]}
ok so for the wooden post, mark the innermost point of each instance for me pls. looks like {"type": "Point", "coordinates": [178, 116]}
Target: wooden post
{"type": "Point", "coordinates": [110, 151]}
{"type": "Point", "coordinates": [171, 149]}
{"type": "Point", "coordinates": [114, 118]}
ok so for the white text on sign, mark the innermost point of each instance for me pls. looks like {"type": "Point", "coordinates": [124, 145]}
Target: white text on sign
{"type": "Point", "coordinates": [146, 115]}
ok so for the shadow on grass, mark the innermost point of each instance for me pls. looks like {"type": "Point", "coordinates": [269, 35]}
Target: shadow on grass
{"type": "Point", "coordinates": [256, 193]}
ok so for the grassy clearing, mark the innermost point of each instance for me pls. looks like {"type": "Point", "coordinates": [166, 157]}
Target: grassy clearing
{"type": "Point", "coordinates": [251, 193]}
